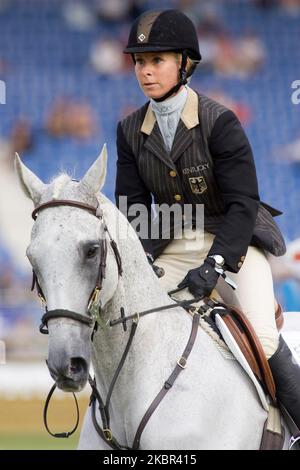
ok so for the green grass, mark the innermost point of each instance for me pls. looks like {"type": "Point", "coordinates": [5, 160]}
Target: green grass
{"type": "Point", "coordinates": [37, 442]}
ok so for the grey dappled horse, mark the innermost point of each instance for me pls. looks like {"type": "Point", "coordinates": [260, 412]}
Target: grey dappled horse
{"type": "Point", "coordinates": [212, 404]}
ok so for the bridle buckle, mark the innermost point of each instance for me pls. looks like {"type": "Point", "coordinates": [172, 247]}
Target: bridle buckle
{"type": "Point", "coordinates": [182, 362]}
{"type": "Point", "coordinates": [42, 300]}
{"type": "Point", "coordinates": [94, 305]}
{"type": "Point", "coordinates": [95, 295]}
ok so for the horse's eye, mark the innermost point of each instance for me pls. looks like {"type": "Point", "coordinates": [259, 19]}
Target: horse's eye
{"type": "Point", "coordinates": [92, 251]}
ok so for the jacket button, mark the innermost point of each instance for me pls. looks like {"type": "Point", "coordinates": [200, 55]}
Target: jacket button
{"type": "Point", "coordinates": [240, 264]}
{"type": "Point", "coordinates": [173, 173]}
{"type": "Point", "coordinates": [177, 197]}
{"type": "Point", "coordinates": [243, 258]}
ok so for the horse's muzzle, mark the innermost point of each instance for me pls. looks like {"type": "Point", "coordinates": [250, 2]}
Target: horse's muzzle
{"type": "Point", "coordinates": [69, 375]}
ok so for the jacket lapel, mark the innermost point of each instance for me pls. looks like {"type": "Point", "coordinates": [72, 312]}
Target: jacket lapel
{"type": "Point", "coordinates": [182, 140]}
{"type": "Point", "coordinates": [154, 140]}
{"type": "Point", "coordinates": [155, 144]}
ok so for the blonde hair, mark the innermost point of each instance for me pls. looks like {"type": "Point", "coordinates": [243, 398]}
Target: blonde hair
{"type": "Point", "coordinates": [190, 63]}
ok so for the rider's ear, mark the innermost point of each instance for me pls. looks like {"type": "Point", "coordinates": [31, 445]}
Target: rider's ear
{"type": "Point", "coordinates": [30, 183]}
{"type": "Point", "coordinates": [94, 178]}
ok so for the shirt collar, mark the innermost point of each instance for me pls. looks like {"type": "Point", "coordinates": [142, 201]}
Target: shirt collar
{"type": "Point", "coordinates": [189, 115]}
{"type": "Point", "coordinates": [176, 103]}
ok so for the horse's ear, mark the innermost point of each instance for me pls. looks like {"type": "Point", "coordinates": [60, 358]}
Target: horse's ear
{"type": "Point", "coordinates": [94, 178]}
{"type": "Point", "coordinates": [30, 183]}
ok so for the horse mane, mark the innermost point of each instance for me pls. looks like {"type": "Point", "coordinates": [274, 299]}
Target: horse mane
{"type": "Point", "coordinates": [58, 183]}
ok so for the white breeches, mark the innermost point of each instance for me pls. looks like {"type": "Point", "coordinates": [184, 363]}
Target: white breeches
{"type": "Point", "coordinates": [254, 294]}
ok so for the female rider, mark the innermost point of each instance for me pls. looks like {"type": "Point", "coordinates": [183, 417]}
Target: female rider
{"type": "Point", "coordinates": [183, 148]}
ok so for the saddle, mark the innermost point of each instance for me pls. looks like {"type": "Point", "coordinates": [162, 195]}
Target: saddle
{"type": "Point", "coordinates": [237, 325]}
{"type": "Point", "coordinates": [240, 337]}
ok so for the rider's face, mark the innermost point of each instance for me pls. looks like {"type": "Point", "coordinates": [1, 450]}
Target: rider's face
{"type": "Point", "coordinates": [157, 72]}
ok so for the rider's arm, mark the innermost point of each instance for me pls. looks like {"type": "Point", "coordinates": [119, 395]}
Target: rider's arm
{"type": "Point", "coordinates": [235, 174]}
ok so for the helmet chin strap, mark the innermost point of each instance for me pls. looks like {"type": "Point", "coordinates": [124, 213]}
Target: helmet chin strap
{"type": "Point", "coordinates": [183, 79]}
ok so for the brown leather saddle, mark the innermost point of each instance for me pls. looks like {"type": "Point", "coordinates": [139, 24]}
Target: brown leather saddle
{"type": "Point", "coordinates": [249, 344]}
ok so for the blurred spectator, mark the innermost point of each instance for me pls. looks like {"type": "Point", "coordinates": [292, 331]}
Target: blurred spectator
{"type": "Point", "coordinates": [209, 25]}
{"type": "Point", "coordinates": [292, 7]}
{"type": "Point", "coordinates": [6, 280]}
{"type": "Point", "coordinates": [204, 14]}
{"type": "Point", "coordinates": [5, 5]}
{"type": "Point", "coordinates": [19, 140]}
{"type": "Point", "coordinates": [286, 274]}
{"type": "Point", "coordinates": [287, 266]}
{"type": "Point", "coordinates": [115, 11]}
{"type": "Point", "coordinates": [289, 153]}
{"type": "Point", "coordinates": [71, 119]}
{"type": "Point", "coordinates": [220, 52]}
{"type": "Point", "coordinates": [83, 17]}
{"type": "Point", "coordinates": [5, 156]}
{"type": "Point", "coordinates": [107, 57]}
{"type": "Point", "coordinates": [209, 46]}
{"type": "Point", "coordinates": [240, 57]}
{"type": "Point", "coordinates": [79, 16]}
{"type": "Point", "coordinates": [22, 341]}
{"type": "Point", "coordinates": [4, 67]}
{"type": "Point", "coordinates": [14, 289]}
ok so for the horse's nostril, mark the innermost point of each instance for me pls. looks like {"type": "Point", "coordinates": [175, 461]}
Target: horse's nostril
{"type": "Point", "coordinates": [78, 365]}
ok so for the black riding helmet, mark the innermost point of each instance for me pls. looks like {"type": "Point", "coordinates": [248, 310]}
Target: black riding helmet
{"type": "Point", "coordinates": [165, 30]}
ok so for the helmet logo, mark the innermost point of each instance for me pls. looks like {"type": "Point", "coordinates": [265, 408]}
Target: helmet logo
{"type": "Point", "coordinates": [141, 37]}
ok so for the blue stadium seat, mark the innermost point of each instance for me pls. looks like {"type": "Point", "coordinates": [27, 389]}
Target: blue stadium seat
{"type": "Point", "coordinates": [48, 60]}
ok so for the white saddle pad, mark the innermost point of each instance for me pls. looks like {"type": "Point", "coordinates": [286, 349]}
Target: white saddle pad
{"type": "Point", "coordinates": [236, 351]}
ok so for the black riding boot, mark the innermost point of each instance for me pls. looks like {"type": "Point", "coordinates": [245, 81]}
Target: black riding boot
{"type": "Point", "coordinates": [286, 373]}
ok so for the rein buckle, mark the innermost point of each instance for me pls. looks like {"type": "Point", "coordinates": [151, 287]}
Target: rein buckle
{"type": "Point", "coordinates": [107, 434]}
{"type": "Point", "coordinates": [182, 362]}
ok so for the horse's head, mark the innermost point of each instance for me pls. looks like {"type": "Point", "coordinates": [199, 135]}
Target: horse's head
{"type": "Point", "coordinates": [70, 255]}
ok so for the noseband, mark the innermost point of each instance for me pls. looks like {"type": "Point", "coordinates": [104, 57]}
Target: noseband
{"type": "Point", "coordinates": [94, 304]}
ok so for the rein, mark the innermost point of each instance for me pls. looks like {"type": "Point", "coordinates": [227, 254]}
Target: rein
{"type": "Point", "coordinates": [59, 434]}
{"type": "Point", "coordinates": [92, 321]}
{"type": "Point", "coordinates": [106, 433]}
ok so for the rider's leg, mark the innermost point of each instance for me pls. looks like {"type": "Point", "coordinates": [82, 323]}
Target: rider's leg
{"type": "Point", "coordinates": [286, 373]}
{"type": "Point", "coordinates": [255, 297]}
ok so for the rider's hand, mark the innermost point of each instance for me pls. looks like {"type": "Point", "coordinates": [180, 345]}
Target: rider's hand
{"type": "Point", "coordinates": [158, 271]}
{"type": "Point", "coordinates": [201, 281]}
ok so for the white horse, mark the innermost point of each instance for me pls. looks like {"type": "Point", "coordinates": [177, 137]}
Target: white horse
{"type": "Point", "coordinates": [212, 404]}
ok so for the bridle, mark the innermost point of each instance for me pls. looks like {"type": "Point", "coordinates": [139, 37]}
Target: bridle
{"type": "Point", "coordinates": [94, 304]}
{"type": "Point", "coordinates": [94, 319]}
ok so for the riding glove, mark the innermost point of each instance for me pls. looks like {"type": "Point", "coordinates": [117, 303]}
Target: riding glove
{"type": "Point", "coordinates": [201, 281]}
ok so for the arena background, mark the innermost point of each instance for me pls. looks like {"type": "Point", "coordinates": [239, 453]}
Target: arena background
{"type": "Point", "coordinates": [64, 86]}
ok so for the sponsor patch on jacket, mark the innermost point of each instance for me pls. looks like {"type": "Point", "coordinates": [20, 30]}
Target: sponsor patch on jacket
{"type": "Point", "coordinates": [198, 184]}
{"type": "Point", "coordinates": [195, 169]}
